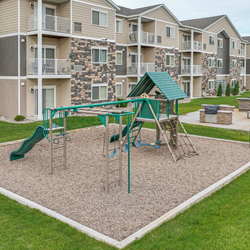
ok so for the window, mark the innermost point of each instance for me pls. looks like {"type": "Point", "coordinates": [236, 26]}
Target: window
{"type": "Point", "coordinates": [234, 45]}
{"type": "Point", "coordinates": [210, 84]}
{"type": "Point", "coordinates": [118, 58]}
{"type": "Point", "coordinates": [233, 82]}
{"type": "Point", "coordinates": [132, 85]}
{"type": "Point", "coordinates": [211, 62]}
{"type": "Point", "coordinates": [100, 18]}
{"type": "Point", "coordinates": [118, 89]}
{"type": "Point", "coordinates": [99, 55]}
{"type": "Point", "coordinates": [170, 59]}
{"type": "Point", "coordinates": [78, 68]}
{"type": "Point", "coordinates": [211, 40]}
{"type": "Point", "coordinates": [220, 63]}
{"type": "Point", "coordinates": [241, 81]}
{"type": "Point", "coordinates": [158, 39]}
{"type": "Point", "coordinates": [118, 26]}
{"type": "Point", "coordinates": [170, 32]}
{"type": "Point", "coordinates": [78, 27]}
{"type": "Point", "coordinates": [99, 92]}
{"type": "Point", "coordinates": [234, 63]}
{"type": "Point", "coordinates": [220, 43]}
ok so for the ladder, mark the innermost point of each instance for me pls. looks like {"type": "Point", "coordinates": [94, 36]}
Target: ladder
{"type": "Point", "coordinates": [180, 145]}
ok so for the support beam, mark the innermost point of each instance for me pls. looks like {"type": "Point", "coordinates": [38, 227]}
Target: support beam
{"type": "Point", "coordinates": [39, 58]}
{"type": "Point", "coordinates": [107, 154]}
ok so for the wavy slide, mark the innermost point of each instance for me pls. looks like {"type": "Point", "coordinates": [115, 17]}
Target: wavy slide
{"type": "Point", "coordinates": [28, 144]}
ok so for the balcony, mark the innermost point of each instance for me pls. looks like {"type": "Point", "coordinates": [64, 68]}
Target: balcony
{"type": "Point", "coordinates": [186, 70]}
{"type": "Point", "coordinates": [50, 23]}
{"type": "Point", "coordinates": [197, 45]}
{"type": "Point", "coordinates": [145, 67]}
{"type": "Point", "coordinates": [242, 52]}
{"type": "Point", "coordinates": [146, 37]}
{"type": "Point", "coordinates": [50, 67]}
{"type": "Point", "coordinates": [242, 70]}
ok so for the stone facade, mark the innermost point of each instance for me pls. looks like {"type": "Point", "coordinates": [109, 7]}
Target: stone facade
{"type": "Point", "coordinates": [223, 117]}
{"type": "Point", "coordinates": [235, 72]}
{"type": "Point", "coordinates": [160, 62]}
{"type": "Point", "coordinates": [208, 73]}
{"type": "Point", "coordinates": [244, 104]}
{"type": "Point", "coordinates": [91, 73]}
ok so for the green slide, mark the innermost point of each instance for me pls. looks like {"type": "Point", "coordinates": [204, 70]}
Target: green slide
{"type": "Point", "coordinates": [28, 144]}
{"type": "Point", "coordinates": [124, 131]}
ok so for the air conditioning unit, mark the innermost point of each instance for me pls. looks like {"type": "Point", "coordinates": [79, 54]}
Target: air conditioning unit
{"type": "Point", "coordinates": [204, 46]}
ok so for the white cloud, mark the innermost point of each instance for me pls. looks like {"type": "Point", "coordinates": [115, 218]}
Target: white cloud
{"type": "Point", "coordinates": [238, 11]}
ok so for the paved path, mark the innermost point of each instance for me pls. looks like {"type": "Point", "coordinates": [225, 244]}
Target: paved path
{"type": "Point", "coordinates": [240, 121]}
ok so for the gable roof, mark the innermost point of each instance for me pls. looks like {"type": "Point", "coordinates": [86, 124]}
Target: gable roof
{"type": "Point", "coordinates": [202, 23]}
{"type": "Point", "coordinates": [110, 2]}
{"type": "Point", "coordinates": [130, 12]}
{"type": "Point", "coordinates": [168, 87]}
{"type": "Point", "coordinates": [247, 38]}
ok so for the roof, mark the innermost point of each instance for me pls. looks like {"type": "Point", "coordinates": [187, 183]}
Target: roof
{"type": "Point", "coordinates": [202, 23]}
{"type": "Point", "coordinates": [168, 87]}
{"type": "Point", "coordinates": [247, 38]}
{"type": "Point", "coordinates": [130, 12]}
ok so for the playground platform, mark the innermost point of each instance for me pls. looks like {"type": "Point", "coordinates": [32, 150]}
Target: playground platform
{"type": "Point", "coordinates": [157, 183]}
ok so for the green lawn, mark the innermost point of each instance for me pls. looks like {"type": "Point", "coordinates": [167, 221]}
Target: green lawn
{"type": "Point", "coordinates": [195, 104]}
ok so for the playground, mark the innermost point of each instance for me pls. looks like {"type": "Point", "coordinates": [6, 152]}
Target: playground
{"type": "Point", "coordinates": [157, 185]}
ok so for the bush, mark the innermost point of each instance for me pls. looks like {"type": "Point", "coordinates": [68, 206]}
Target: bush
{"type": "Point", "coordinates": [19, 118]}
{"type": "Point", "coordinates": [234, 90]}
{"type": "Point", "coordinates": [237, 88]}
{"type": "Point", "coordinates": [228, 90]}
{"type": "Point", "coordinates": [122, 105]}
{"type": "Point", "coordinates": [219, 91]}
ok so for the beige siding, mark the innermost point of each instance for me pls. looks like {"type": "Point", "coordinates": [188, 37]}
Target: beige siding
{"type": "Point", "coordinates": [64, 48]}
{"type": "Point", "coordinates": [197, 87]}
{"type": "Point", "coordinates": [23, 98]}
{"type": "Point", "coordinates": [8, 97]}
{"type": "Point", "coordinates": [166, 41]}
{"type": "Point", "coordinates": [125, 88]}
{"type": "Point", "coordinates": [65, 9]}
{"type": "Point", "coordinates": [161, 14]}
{"type": "Point", "coordinates": [248, 83]}
{"type": "Point", "coordinates": [98, 2]}
{"type": "Point", "coordinates": [123, 37]}
{"type": "Point", "coordinates": [149, 55]}
{"type": "Point", "coordinates": [197, 58]}
{"type": "Point", "coordinates": [209, 48]}
{"type": "Point", "coordinates": [63, 93]}
{"type": "Point", "coordinates": [148, 27]}
{"type": "Point", "coordinates": [8, 17]}
{"type": "Point", "coordinates": [82, 14]}
{"type": "Point", "coordinates": [235, 52]}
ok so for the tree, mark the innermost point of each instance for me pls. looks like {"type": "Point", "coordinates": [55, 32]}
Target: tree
{"type": "Point", "coordinates": [219, 91]}
{"type": "Point", "coordinates": [234, 90]}
{"type": "Point", "coordinates": [228, 90]}
{"type": "Point", "coordinates": [237, 88]}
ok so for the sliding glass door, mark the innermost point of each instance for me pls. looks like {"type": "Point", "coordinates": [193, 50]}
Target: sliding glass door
{"type": "Point", "coordinates": [48, 100]}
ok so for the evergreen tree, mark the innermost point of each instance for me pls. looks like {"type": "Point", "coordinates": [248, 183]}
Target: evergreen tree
{"type": "Point", "coordinates": [228, 90]}
{"type": "Point", "coordinates": [237, 88]}
{"type": "Point", "coordinates": [219, 91]}
{"type": "Point", "coordinates": [234, 90]}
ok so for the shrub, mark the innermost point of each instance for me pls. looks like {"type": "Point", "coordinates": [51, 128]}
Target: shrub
{"type": "Point", "coordinates": [228, 90]}
{"type": "Point", "coordinates": [237, 88]}
{"type": "Point", "coordinates": [219, 91]}
{"type": "Point", "coordinates": [122, 105]}
{"type": "Point", "coordinates": [234, 90]}
{"type": "Point", "coordinates": [19, 118]}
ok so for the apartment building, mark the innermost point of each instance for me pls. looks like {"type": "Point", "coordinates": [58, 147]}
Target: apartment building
{"type": "Point", "coordinates": [69, 52]}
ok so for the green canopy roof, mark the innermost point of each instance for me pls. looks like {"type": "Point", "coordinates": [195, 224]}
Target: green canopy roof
{"type": "Point", "coordinates": [168, 87]}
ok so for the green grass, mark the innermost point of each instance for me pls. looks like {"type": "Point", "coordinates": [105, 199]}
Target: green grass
{"type": "Point", "coordinates": [221, 221]}
{"type": "Point", "coordinates": [195, 104]}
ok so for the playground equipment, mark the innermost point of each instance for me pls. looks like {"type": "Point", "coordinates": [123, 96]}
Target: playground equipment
{"type": "Point", "coordinates": [159, 110]}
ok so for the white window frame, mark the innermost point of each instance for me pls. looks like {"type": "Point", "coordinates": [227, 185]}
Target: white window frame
{"type": "Point", "coordinates": [99, 85]}
{"type": "Point", "coordinates": [131, 27]}
{"type": "Point", "coordinates": [213, 39]}
{"type": "Point", "coordinates": [118, 52]}
{"type": "Point", "coordinates": [233, 82]}
{"type": "Point", "coordinates": [100, 11]}
{"type": "Point", "coordinates": [46, 87]}
{"type": "Point", "coordinates": [240, 81]}
{"type": "Point", "coordinates": [118, 83]}
{"type": "Point", "coordinates": [130, 85]}
{"type": "Point", "coordinates": [212, 60]}
{"type": "Point", "coordinates": [118, 20]}
{"type": "Point", "coordinates": [234, 63]}
{"type": "Point", "coordinates": [77, 30]}
{"type": "Point", "coordinates": [170, 54]}
{"type": "Point", "coordinates": [171, 27]}
{"type": "Point", "coordinates": [219, 60]}
{"type": "Point", "coordinates": [234, 44]}
{"type": "Point", "coordinates": [221, 41]}
{"type": "Point", "coordinates": [100, 48]}
{"type": "Point", "coordinates": [209, 81]}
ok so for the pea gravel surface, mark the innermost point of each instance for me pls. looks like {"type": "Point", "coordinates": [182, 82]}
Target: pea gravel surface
{"type": "Point", "coordinates": [157, 183]}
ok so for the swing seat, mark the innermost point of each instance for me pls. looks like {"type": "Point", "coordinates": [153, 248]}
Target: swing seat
{"type": "Point", "coordinates": [113, 153]}
{"type": "Point", "coordinates": [154, 144]}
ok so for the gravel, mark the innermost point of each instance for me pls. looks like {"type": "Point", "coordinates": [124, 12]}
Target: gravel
{"type": "Point", "coordinates": [157, 183]}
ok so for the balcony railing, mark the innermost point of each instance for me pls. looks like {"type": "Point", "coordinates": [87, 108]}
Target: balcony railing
{"type": "Point", "coordinates": [146, 37]}
{"type": "Point", "coordinates": [196, 46]}
{"type": "Point", "coordinates": [50, 23]}
{"type": "Point", "coordinates": [145, 67]}
{"type": "Point", "coordinates": [186, 70]}
{"type": "Point", "coordinates": [242, 52]}
{"type": "Point", "coordinates": [49, 66]}
{"type": "Point", "coordinates": [242, 70]}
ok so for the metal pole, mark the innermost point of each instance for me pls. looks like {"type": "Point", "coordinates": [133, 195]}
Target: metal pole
{"type": "Point", "coordinates": [128, 156]}
{"type": "Point", "coordinates": [176, 107]}
{"type": "Point", "coordinates": [107, 153]}
{"type": "Point", "coordinates": [120, 151]}
{"type": "Point", "coordinates": [50, 135]}
{"type": "Point", "coordinates": [64, 141]}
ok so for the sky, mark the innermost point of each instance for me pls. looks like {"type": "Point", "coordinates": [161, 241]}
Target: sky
{"type": "Point", "coordinates": [237, 10]}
